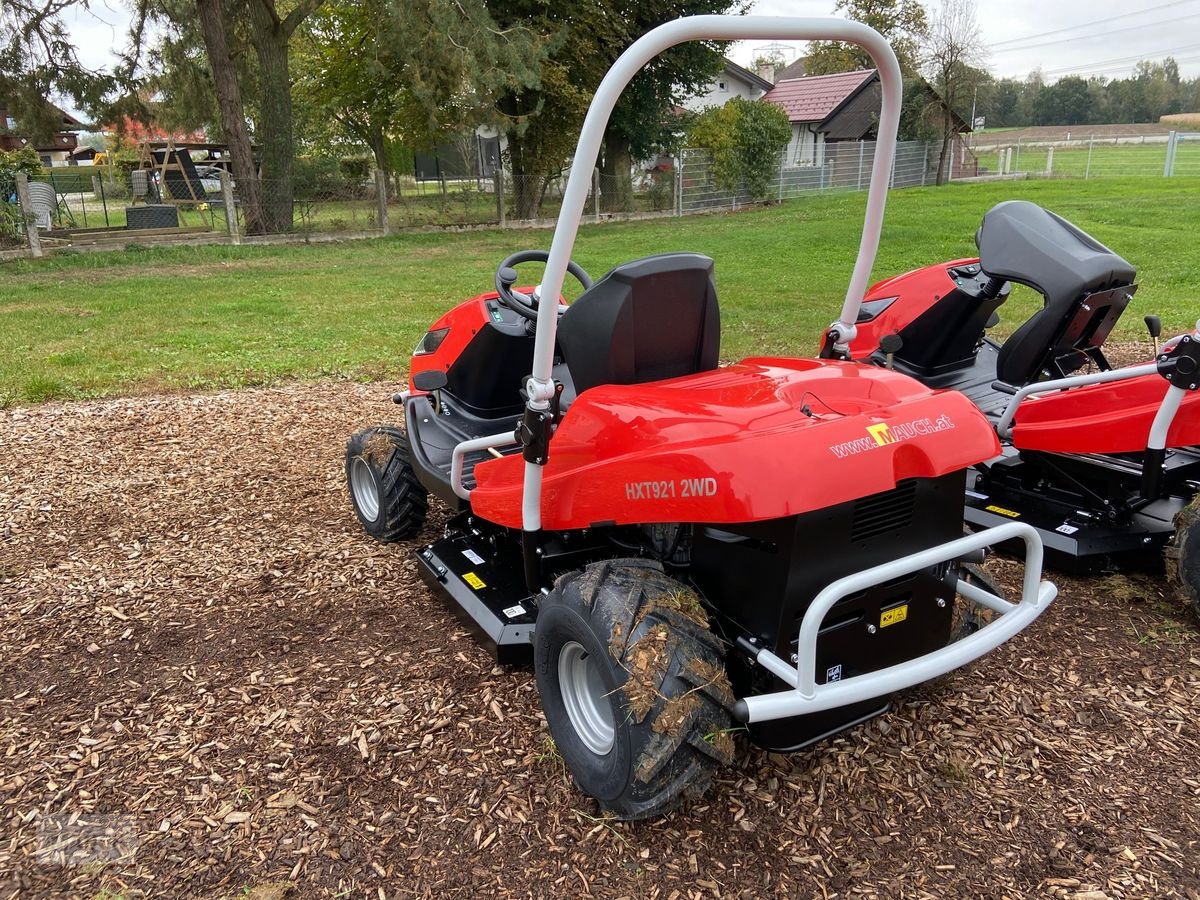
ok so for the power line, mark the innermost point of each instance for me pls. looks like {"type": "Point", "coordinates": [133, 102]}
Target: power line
{"type": "Point", "coordinates": [1122, 61]}
{"type": "Point", "coordinates": [1087, 37]}
{"type": "Point", "coordinates": [1112, 69]}
{"type": "Point", "coordinates": [1140, 12]}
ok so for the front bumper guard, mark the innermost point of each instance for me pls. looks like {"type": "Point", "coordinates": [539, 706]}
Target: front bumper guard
{"type": "Point", "coordinates": [806, 696]}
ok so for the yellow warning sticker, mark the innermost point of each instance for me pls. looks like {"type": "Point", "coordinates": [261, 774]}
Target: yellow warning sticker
{"type": "Point", "coordinates": [474, 580]}
{"type": "Point", "coordinates": [1000, 510]}
{"type": "Point", "coordinates": [893, 615]}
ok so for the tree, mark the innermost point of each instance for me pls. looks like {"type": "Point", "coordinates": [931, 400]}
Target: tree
{"type": "Point", "coordinates": [953, 49]}
{"type": "Point", "coordinates": [585, 38]}
{"type": "Point", "coordinates": [744, 139]}
{"type": "Point", "coordinates": [1066, 102]}
{"type": "Point", "coordinates": [644, 119]}
{"type": "Point", "coordinates": [902, 22]}
{"type": "Point", "coordinates": [37, 60]}
{"type": "Point", "coordinates": [383, 70]}
{"type": "Point", "coordinates": [230, 29]}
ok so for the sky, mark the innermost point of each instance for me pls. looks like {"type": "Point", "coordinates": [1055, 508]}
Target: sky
{"type": "Point", "coordinates": [1062, 37]}
{"type": "Point", "coordinates": [1086, 37]}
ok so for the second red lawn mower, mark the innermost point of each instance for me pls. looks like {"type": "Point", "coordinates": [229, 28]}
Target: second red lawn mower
{"type": "Point", "coordinates": [1102, 461]}
{"type": "Point", "coordinates": [685, 551]}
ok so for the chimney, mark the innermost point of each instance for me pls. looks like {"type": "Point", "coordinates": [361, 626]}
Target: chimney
{"type": "Point", "coordinates": [766, 71]}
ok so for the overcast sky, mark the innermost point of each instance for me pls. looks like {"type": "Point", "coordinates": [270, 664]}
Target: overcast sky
{"type": "Point", "coordinates": [1088, 37]}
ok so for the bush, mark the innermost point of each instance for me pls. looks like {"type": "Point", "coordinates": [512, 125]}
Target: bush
{"type": "Point", "coordinates": [11, 163]}
{"type": "Point", "coordinates": [355, 168]}
{"type": "Point", "coordinates": [323, 179]}
{"type": "Point", "coordinates": [26, 160]}
{"type": "Point", "coordinates": [745, 138]}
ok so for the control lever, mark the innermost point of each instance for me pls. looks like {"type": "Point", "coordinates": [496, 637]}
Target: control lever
{"type": "Point", "coordinates": [1154, 326]}
{"type": "Point", "coordinates": [890, 344]}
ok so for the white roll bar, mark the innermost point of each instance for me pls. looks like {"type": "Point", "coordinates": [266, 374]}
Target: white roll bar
{"type": "Point", "coordinates": [540, 387]}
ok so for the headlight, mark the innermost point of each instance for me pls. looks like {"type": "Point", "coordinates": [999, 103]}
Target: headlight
{"type": "Point", "coordinates": [431, 341]}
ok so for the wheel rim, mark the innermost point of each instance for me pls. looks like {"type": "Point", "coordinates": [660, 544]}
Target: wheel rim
{"type": "Point", "coordinates": [586, 698]}
{"type": "Point", "coordinates": [362, 484]}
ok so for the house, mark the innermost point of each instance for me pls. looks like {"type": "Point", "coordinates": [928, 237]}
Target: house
{"type": "Point", "coordinates": [827, 108]}
{"type": "Point", "coordinates": [55, 151]}
{"type": "Point", "coordinates": [733, 81]}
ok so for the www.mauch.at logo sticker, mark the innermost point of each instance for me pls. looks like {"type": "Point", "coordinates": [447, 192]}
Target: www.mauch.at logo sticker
{"type": "Point", "coordinates": [884, 433]}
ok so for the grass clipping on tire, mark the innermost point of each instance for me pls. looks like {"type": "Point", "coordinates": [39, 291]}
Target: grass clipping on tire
{"type": "Point", "coordinates": [649, 658]}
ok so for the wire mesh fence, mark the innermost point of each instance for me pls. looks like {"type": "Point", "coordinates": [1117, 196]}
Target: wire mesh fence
{"type": "Point", "coordinates": [1093, 156]}
{"type": "Point", "coordinates": [836, 166]}
{"type": "Point", "coordinates": [84, 204]}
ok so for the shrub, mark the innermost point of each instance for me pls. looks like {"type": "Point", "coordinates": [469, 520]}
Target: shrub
{"type": "Point", "coordinates": [323, 179]}
{"type": "Point", "coordinates": [744, 138]}
{"type": "Point", "coordinates": [25, 160]}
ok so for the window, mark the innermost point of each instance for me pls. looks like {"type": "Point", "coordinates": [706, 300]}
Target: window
{"type": "Point", "coordinates": [10, 123]}
{"type": "Point", "coordinates": [721, 86]}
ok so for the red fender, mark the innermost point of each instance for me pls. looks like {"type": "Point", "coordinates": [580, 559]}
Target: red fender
{"type": "Point", "coordinates": [1114, 417]}
{"type": "Point", "coordinates": [758, 440]}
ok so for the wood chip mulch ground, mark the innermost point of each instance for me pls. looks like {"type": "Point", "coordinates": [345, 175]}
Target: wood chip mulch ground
{"type": "Point", "coordinates": [212, 684]}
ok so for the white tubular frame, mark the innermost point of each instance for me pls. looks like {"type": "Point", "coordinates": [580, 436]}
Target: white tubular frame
{"type": "Point", "coordinates": [540, 387]}
{"type": "Point", "coordinates": [1005, 426]}
{"type": "Point", "coordinates": [461, 450]}
{"type": "Point", "coordinates": [806, 696]}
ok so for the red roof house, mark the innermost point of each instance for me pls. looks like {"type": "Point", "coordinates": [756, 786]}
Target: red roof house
{"type": "Point", "coordinates": [827, 108]}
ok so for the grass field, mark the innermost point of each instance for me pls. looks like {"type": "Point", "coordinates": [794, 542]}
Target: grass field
{"type": "Point", "coordinates": [196, 317]}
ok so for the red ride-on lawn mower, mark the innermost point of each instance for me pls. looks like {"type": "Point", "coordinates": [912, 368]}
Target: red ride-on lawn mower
{"type": "Point", "coordinates": [685, 550]}
{"type": "Point", "coordinates": [1103, 462]}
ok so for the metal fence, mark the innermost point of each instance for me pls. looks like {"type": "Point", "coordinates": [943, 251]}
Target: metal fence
{"type": "Point", "coordinates": [837, 166]}
{"type": "Point", "coordinates": [80, 206]}
{"type": "Point", "coordinates": [1084, 155]}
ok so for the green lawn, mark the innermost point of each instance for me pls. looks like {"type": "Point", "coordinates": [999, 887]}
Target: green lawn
{"type": "Point", "coordinates": [194, 317]}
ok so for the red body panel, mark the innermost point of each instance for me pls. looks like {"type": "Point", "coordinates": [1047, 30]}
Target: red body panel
{"type": "Point", "coordinates": [464, 322]}
{"type": "Point", "coordinates": [918, 290]}
{"type": "Point", "coordinates": [1104, 418]}
{"type": "Point", "coordinates": [734, 445]}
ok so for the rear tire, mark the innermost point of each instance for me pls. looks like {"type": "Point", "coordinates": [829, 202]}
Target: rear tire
{"type": "Point", "coordinates": [1182, 555]}
{"type": "Point", "coordinates": [384, 490]}
{"type": "Point", "coordinates": [633, 686]}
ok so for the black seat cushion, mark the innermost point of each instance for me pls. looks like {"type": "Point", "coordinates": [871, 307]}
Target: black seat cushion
{"type": "Point", "coordinates": [1021, 242]}
{"type": "Point", "coordinates": [646, 320]}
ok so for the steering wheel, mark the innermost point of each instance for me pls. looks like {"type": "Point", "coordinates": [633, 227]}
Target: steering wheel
{"type": "Point", "coordinates": [519, 302]}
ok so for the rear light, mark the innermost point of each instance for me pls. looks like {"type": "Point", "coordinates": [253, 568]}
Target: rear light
{"type": "Point", "coordinates": [431, 341]}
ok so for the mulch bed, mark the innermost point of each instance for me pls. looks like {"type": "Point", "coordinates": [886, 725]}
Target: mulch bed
{"type": "Point", "coordinates": [213, 684]}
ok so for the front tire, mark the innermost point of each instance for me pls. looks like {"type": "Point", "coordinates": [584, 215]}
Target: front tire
{"type": "Point", "coordinates": [1182, 555]}
{"type": "Point", "coordinates": [388, 499]}
{"type": "Point", "coordinates": [633, 686]}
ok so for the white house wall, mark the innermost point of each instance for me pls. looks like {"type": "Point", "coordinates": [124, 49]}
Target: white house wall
{"type": "Point", "coordinates": [807, 146]}
{"type": "Point", "coordinates": [716, 95]}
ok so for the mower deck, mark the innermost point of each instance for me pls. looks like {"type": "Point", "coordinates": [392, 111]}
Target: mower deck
{"type": "Point", "coordinates": [491, 600]}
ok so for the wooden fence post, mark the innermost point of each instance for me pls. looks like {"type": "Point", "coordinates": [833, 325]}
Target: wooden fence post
{"type": "Point", "coordinates": [27, 213]}
{"type": "Point", "coordinates": [498, 179]}
{"type": "Point", "coordinates": [231, 222]}
{"type": "Point", "coordinates": [381, 199]}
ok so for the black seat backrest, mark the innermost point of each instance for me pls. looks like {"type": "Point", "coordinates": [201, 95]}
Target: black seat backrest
{"type": "Point", "coordinates": [646, 320]}
{"type": "Point", "coordinates": [1021, 242]}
